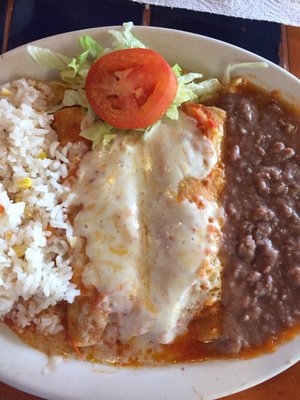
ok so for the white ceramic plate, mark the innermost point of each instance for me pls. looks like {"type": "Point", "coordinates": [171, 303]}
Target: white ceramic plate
{"type": "Point", "coordinates": [22, 366]}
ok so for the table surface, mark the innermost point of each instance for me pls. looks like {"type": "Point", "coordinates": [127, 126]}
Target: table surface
{"type": "Point", "coordinates": [22, 21]}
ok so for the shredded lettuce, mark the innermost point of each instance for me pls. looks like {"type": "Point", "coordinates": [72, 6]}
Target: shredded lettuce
{"type": "Point", "coordinates": [185, 91]}
{"type": "Point", "coordinates": [232, 67]}
{"type": "Point", "coordinates": [108, 138]}
{"type": "Point", "coordinates": [72, 98]}
{"type": "Point", "coordinates": [150, 130]}
{"type": "Point", "coordinates": [75, 97]}
{"type": "Point", "coordinates": [206, 90]}
{"type": "Point", "coordinates": [48, 58]}
{"type": "Point", "coordinates": [97, 132]}
{"type": "Point", "coordinates": [90, 116]}
{"type": "Point", "coordinates": [89, 44]}
{"type": "Point", "coordinates": [78, 68]}
{"type": "Point", "coordinates": [72, 70]}
{"type": "Point", "coordinates": [125, 39]}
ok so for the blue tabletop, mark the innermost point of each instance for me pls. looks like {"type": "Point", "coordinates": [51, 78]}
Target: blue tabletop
{"type": "Point", "coordinates": [28, 20]}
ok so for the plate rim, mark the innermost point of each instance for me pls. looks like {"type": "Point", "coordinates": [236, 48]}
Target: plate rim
{"type": "Point", "coordinates": [13, 53]}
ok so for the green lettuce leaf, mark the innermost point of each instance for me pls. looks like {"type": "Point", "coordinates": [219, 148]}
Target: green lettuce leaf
{"type": "Point", "coordinates": [185, 91]}
{"type": "Point", "coordinates": [72, 98]}
{"type": "Point", "coordinates": [207, 89]}
{"type": "Point", "coordinates": [75, 97]}
{"type": "Point", "coordinates": [232, 67]}
{"type": "Point", "coordinates": [97, 132]}
{"type": "Point", "coordinates": [48, 58]}
{"type": "Point", "coordinates": [150, 130]}
{"type": "Point", "coordinates": [108, 138]}
{"type": "Point", "coordinates": [77, 69]}
{"type": "Point", "coordinates": [89, 44]}
{"type": "Point", "coordinates": [125, 38]}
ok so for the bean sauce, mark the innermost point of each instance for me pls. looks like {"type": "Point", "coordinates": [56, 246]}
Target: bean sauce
{"type": "Point", "coordinates": [261, 246]}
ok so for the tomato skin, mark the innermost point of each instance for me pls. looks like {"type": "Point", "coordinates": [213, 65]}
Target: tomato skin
{"type": "Point", "coordinates": [202, 115]}
{"type": "Point", "coordinates": [131, 88]}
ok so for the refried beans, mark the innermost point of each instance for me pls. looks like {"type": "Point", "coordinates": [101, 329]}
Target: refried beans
{"type": "Point", "coordinates": [261, 245]}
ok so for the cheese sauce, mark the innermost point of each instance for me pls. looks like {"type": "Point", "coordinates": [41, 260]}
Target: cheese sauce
{"type": "Point", "coordinates": [153, 257]}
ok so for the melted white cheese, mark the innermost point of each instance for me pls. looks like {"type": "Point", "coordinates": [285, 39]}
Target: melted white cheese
{"type": "Point", "coordinates": [107, 188]}
{"type": "Point", "coordinates": [152, 257]}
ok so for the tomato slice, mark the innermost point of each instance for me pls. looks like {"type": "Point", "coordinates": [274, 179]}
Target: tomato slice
{"type": "Point", "coordinates": [131, 88]}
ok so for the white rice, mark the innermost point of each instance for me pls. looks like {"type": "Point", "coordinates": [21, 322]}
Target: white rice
{"type": "Point", "coordinates": [35, 264]}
